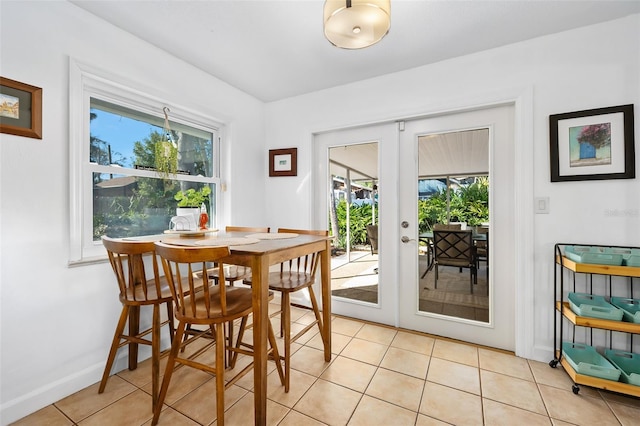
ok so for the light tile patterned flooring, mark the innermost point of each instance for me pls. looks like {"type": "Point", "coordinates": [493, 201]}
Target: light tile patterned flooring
{"type": "Point", "coordinates": [377, 376]}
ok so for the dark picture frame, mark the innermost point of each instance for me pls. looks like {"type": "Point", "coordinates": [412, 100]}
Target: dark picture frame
{"type": "Point", "coordinates": [20, 109]}
{"type": "Point", "coordinates": [594, 144]}
{"type": "Point", "coordinates": [283, 162]}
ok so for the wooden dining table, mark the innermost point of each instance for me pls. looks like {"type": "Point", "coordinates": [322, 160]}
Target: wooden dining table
{"type": "Point", "coordinates": [259, 256]}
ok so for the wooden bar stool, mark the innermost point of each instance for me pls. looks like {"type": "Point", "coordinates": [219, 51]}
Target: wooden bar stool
{"type": "Point", "coordinates": [139, 286]}
{"type": "Point", "coordinates": [197, 302]}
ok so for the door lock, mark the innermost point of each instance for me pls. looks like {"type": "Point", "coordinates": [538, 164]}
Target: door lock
{"type": "Point", "coordinates": [404, 224]}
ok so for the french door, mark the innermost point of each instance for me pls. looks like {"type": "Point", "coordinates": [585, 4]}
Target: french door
{"type": "Point", "coordinates": [382, 139]}
{"type": "Point", "coordinates": [401, 257]}
{"type": "Point", "coordinates": [470, 143]}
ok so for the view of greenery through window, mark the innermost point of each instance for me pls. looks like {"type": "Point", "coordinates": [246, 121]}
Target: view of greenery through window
{"type": "Point", "coordinates": [468, 202]}
{"type": "Point", "coordinates": [129, 197]}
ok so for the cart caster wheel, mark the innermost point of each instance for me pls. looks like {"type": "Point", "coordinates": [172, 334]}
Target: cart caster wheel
{"type": "Point", "coordinates": [575, 389]}
{"type": "Point", "coordinates": [553, 363]}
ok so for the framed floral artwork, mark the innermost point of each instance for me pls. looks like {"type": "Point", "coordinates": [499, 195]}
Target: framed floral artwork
{"type": "Point", "coordinates": [594, 144]}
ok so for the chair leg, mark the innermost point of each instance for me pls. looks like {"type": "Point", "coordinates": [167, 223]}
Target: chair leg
{"type": "Point", "coordinates": [175, 346]}
{"type": "Point", "coordinates": [281, 314]}
{"type": "Point", "coordinates": [286, 326]}
{"type": "Point", "coordinates": [234, 355]}
{"type": "Point", "coordinates": [134, 330]}
{"type": "Point", "coordinates": [436, 276]}
{"type": "Point", "coordinates": [229, 342]}
{"type": "Point", "coordinates": [155, 356]}
{"type": "Point", "coordinates": [316, 312]}
{"type": "Point", "coordinates": [172, 328]}
{"type": "Point", "coordinates": [115, 344]}
{"type": "Point", "coordinates": [276, 354]}
{"type": "Point", "coordinates": [220, 367]}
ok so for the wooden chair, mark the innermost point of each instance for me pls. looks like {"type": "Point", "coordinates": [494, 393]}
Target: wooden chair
{"type": "Point", "coordinates": [455, 248]}
{"type": "Point", "coordinates": [372, 236]}
{"type": "Point", "coordinates": [295, 275]}
{"type": "Point", "coordinates": [234, 272]}
{"type": "Point", "coordinates": [139, 286]}
{"type": "Point", "coordinates": [198, 302]}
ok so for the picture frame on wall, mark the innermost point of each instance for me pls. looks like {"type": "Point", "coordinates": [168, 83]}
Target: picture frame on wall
{"type": "Point", "coordinates": [594, 144]}
{"type": "Point", "coordinates": [20, 109]}
{"type": "Point", "coordinates": [283, 162]}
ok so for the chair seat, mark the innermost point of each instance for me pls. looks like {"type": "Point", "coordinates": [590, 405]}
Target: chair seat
{"type": "Point", "coordinates": [235, 273]}
{"type": "Point", "coordinates": [453, 262]}
{"type": "Point", "coordinates": [149, 295]}
{"type": "Point", "coordinates": [287, 281]}
{"type": "Point", "coordinates": [239, 303]}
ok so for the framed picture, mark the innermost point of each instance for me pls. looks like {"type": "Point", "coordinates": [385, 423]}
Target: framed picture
{"type": "Point", "coordinates": [20, 109]}
{"type": "Point", "coordinates": [594, 144]}
{"type": "Point", "coordinates": [283, 162]}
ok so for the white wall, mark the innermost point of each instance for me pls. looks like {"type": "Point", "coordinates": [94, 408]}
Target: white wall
{"type": "Point", "coordinates": [57, 322]}
{"type": "Point", "coordinates": [592, 67]}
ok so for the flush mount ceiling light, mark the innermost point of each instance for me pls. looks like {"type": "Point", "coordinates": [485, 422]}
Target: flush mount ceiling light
{"type": "Point", "coordinates": [354, 24]}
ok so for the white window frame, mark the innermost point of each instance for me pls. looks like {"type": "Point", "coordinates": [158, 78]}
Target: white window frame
{"type": "Point", "coordinates": [86, 83]}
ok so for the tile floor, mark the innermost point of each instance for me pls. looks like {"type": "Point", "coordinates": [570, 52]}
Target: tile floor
{"type": "Point", "coordinates": [377, 376]}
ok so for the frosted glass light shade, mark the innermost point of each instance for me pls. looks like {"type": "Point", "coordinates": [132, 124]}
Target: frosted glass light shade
{"type": "Point", "coordinates": [354, 24]}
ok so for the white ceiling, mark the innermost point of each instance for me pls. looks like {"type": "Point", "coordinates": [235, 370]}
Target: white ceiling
{"type": "Point", "coordinates": [274, 49]}
{"type": "Point", "coordinates": [463, 153]}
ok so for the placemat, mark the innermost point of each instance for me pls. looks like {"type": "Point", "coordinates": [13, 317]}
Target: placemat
{"type": "Point", "coordinates": [217, 242]}
{"type": "Point", "coordinates": [273, 235]}
{"type": "Point", "coordinates": [145, 238]}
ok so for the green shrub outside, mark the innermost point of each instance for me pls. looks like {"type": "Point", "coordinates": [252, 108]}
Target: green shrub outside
{"type": "Point", "coordinates": [468, 204]}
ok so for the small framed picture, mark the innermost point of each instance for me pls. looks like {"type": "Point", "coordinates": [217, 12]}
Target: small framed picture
{"type": "Point", "coordinates": [283, 162]}
{"type": "Point", "coordinates": [595, 144]}
{"type": "Point", "coordinates": [20, 109]}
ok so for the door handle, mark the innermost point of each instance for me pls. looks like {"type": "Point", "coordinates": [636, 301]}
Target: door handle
{"type": "Point", "coordinates": [406, 239]}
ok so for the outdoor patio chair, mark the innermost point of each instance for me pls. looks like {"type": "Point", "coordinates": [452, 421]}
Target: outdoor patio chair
{"type": "Point", "coordinates": [372, 236]}
{"type": "Point", "coordinates": [455, 248]}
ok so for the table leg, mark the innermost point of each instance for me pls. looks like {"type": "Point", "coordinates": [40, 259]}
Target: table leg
{"type": "Point", "coordinates": [260, 274]}
{"type": "Point", "coordinates": [325, 278]}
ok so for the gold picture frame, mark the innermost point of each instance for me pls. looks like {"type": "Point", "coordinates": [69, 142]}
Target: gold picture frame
{"type": "Point", "coordinates": [20, 109]}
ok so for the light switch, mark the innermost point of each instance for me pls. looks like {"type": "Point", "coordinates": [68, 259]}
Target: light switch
{"type": "Point", "coordinates": [542, 205]}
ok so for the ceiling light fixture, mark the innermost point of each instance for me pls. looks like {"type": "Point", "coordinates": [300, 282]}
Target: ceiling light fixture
{"type": "Point", "coordinates": [354, 24]}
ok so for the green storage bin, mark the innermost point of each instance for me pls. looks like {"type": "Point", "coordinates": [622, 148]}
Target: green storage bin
{"type": "Point", "coordinates": [575, 252]}
{"type": "Point", "coordinates": [628, 363]}
{"type": "Point", "coordinates": [586, 360]}
{"type": "Point", "coordinates": [595, 255]}
{"type": "Point", "coordinates": [588, 305]}
{"type": "Point", "coordinates": [632, 260]}
{"type": "Point", "coordinates": [630, 308]}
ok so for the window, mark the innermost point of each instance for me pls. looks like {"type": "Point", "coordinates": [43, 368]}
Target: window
{"type": "Point", "coordinates": [115, 186]}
